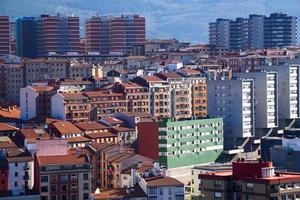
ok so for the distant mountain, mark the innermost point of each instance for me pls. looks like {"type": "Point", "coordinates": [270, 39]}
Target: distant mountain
{"type": "Point", "coordinates": [182, 19]}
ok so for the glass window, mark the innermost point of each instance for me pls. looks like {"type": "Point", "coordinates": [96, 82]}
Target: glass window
{"type": "Point", "coordinates": [44, 178]}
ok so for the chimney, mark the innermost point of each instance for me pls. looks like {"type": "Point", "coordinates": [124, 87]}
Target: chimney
{"type": "Point", "coordinates": [139, 164]}
{"type": "Point", "coordinates": [146, 173]}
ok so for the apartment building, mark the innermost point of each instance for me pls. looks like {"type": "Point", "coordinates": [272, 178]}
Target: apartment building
{"type": "Point", "coordinates": [14, 81]}
{"type": "Point", "coordinates": [234, 101]}
{"type": "Point", "coordinates": [159, 95]}
{"type": "Point", "coordinates": [18, 177]}
{"type": "Point", "coordinates": [41, 69]}
{"type": "Point", "coordinates": [26, 37]}
{"type": "Point", "coordinates": [49, 35]}
{"type": "Point", "coordinates": [265, 97]}
{"type": "Point", "coordinates": [80, 70]}
{"type": "Point", "coordinates": [35, 102]}
{"type": "Point", "coordinates": [64, 129]}
{"type": "Point", "coordinates": [63, 177]}
{"type": "Point", "coordinates": [181, 95]}
{"type": "Point", "coordinates": [97, 35]}
{"type": "Point", "coordinates": [280, 30]}
{"type": "Point", "coordinates": [4, 35]}
{"type": "Point", "coordinates": [219, 33]}
{"type": "Point", "coordinates": [127, 31]}
{"type": "Point", "coordinates": [199, 91]}
{"type": "Point", "coordinates": [181, 144]}
{"type": "Point", "coordinates": [137, 96]}
{"type": "Point", "coordinates": [288, 90]}
{"type": "Point", "coordinates": [105, 103]}
{"type": "Point", "coordinates": [73, 107]}
{"type": "Point", "coordinates": [107, 34]}
{"type": "Point", "coordinates": [249, 180]}
{"type": "Point", "coordinates": [162, 187]}
{"type": "Point", "coordinates": [181, 141]}
{"type": "Point", "coordinates": [257, 31]}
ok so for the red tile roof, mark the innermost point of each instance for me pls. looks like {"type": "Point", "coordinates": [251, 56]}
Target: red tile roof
{"type": "Point", "coordinates": [152, 79]}
{"type": "Point", "coordinates": [101, 93]}
{"type": "Point", "coordinates": [42, 88]}
{"type": "Point", "coordinates": [65, 128]}
{"type": "Point", "coordinates": [90, 126]}
{"type": "Point", "coordinates": [7, 127]}
{"type": "Point", "coordinates": [162, 181]}
{"type": "Point", "coordinates": [61, 160]}
{"type": "Point", "coordinates": [105, 134]}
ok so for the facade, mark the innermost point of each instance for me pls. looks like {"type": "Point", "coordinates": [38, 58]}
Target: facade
{"type": "Point", "coordinates": [26, 41]}
{"type": "Point", "coordinates": [47, 35]}
{"type": "Point", "coordinates": [41, 69]}
{"type": "Point", "coordinates": [234, 101]}
{"type": "Point", "coordinates": [136, 95]}
{"type": "Point", "coordinates": [181, 95]}
{"type": "Point", "coordinates": [286, 156]}
{"type": "Point", "coordinates": [219, 33]}
{"type": "Point", "coordinates": [288, 90]}
{"type": "Point", "coordinates": [162, 187]}
{"type": "Point", "coordinates": [4, 35]}
{"type": "Point", "coordinates": [238, 34]}
{"type": "Point", "coordinates": [249, 180]}
{"type": "Point", "coordinates": [160, 93]}
{"type": "Point", "coordinates": [72, 107]}
{"type": "Point", "coordinates": [105, 103]}
{"type": "Point", "coordinates": [257, 31]}
{"type": "Point", "coordinates": [18, 170]}
{"type": "Point", "coordinates": [199, 91]}
{"type": "Point", "coordinates": [192, 142]}
{"type": "Point", "coordinates": [14, 81]}
{"type": "Point", "coordinates": [107, 34]}
{"type": "Point", "coordinates": [265, 97]}
{"type": "Point", "coordinates": [36, 102]}
{"type": "Point", "coordinates": [280, 30]}
{"type": "Point", "coordinates": [63, 177]}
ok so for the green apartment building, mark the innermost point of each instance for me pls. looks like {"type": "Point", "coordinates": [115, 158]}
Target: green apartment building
{"type": "Point", "coordinates": [190, 142]}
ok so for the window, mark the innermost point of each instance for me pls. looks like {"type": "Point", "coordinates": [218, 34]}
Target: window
{"type": "Point", "coordinates": [16, 174]}
{"type": "Point", "coordinates": [85, 196]}
{"type": "Point", "coordinates": [44, 178]}
{"type": "Point", "coordinates": [53, 188]}
{"type": "Point", "coordinates": [53, 197]}
{"type": "Point", "coordinates": [64, 197]}
{"type": "Point", "coordinates": [152, 190]}
{"type": "Point", "coordinates": [74, 197]}
{"type": "Point", "coordinates": [44, 197]}
{"type": "Point", "coordinates": [16, 184]}
{"type": "Point", "coordinates": [74, 177]}
{"type": "Point", "coordinates": [85, 176]}
{"type": "Point", "coordinates": [63, 188]}
{"type": "Point", "coordinates": [218, 183]}
{"type": "Point", "coordinates": [53, 178]}
{"type": "Point", "coordinates": [64, 178]}
{"type": "Point", "coordinates": [44, 189]}
{"type": "Point", "coordinates": [161, 192]}
{"type": "Point", "coordinates": [86, 186]}
{"type": "Point", "coordinates": [218, 194]}
{"type": "Point", "coordinates": [16, 164]}
{"type": "Point", "coordinates": [249, 185]}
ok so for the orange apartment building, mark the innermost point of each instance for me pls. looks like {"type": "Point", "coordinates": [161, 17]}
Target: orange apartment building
{"type": "Point", "coordinates": [137, 96]}
{"type": "Point", "coordinates": [104, 103]}
{"type": "Point", "coordinates": [199, 91]}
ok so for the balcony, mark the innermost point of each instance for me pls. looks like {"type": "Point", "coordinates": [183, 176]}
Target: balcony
{"type": "Point", "coordinates": [26, 177]}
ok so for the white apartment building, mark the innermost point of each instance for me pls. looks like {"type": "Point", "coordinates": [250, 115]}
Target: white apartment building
{"type": "Point", "coordinates": [234, 101]}
{"type": "Point", "coordinates": [288, 90]}
{"type": "Point", "coordinates": [265, 97]}
{"type": "Point", "coordinates": [20, 173]}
